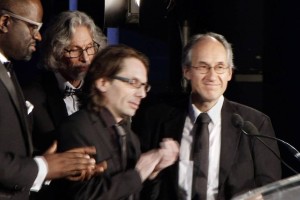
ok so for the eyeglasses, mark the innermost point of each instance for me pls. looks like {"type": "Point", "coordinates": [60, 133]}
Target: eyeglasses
{"type": "Point", "coordinates": [204, 69]}
{"type": "Point", "coordinates": [134, 82]}
{"type": "Point", "coordinates": [75, 53]}
{"type": "Point", "coordinates": [33, 26]}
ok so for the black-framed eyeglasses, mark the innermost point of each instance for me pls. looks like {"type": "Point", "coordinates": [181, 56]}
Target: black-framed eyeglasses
{"type": "Point", "coordinates": [133, 82]}
{"type": "Point", "coordinates": [204, 69]}
{"type": "Point", "coordinates": [75, 53]}
{"type": "Point", "coordinates": [33, 26]}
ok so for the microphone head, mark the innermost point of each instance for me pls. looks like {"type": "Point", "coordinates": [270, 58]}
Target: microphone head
{"type": "Point", "coordinates": [250, 129]}
{"type": "Point", "coordinates": [237, 120]}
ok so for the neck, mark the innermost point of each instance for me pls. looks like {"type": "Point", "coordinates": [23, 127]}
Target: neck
{"type": "Point", "coordinates": [75, 83]}
{"type": "Point", "coordinates": [201, 104]}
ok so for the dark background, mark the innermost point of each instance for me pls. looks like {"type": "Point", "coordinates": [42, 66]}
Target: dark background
{"type": "Point", "coordinates": [265, 39]}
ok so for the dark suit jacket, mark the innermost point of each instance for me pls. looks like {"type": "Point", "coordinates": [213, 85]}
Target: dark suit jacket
{"type": "Point", "coordinates": [245, 163]}
{"type": "Point", "coordinates": [49, 109]}
{"type": "Point", "coordinates": [17, 169]}
{"type": "Point", "coordinates": [86, 128]}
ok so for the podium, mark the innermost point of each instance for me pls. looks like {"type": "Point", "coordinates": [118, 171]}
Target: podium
{"type": "Point", "coordinates": [285, 189]}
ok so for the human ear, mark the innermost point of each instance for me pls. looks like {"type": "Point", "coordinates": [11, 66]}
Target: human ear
{"type": "Point", "coordinates": [230, 74]}
{"type": "Point", "coordinates": [186, 73]}
{"type": "Point", "coordinates": [102, 84]}
{"type": "Point", "coordinates": [4, 22]}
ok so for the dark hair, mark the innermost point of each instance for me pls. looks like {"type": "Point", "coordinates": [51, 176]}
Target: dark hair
{"type": "Point", "coordinates": [106, 64]}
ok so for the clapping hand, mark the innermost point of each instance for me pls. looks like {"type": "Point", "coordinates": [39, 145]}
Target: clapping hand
{"type": "Point", "coordinates": [69, 164]}
{"type": "Point", "coordinates": [169, 151]}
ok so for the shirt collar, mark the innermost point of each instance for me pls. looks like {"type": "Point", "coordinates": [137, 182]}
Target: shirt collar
{"type": "Point", "coordinates": [110, 121]}
{"type": "Point", "coordinates": [214, 113]}
{"type": "Point", "coordinates": [3, 59]}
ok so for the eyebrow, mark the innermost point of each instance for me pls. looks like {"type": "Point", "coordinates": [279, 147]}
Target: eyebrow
{"type": "Point", "coordinates": [205, 63]}
{"type": "Point", "coordinates": [77, 46]}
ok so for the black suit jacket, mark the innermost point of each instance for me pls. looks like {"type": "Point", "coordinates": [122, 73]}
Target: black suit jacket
{"type": "Point", "coordinates": [245, 163]}
{"type": "Point", "coordinates": [86, 128]}
{"type": "Point", "coordinates": [49, 109]}
{"type": "Point", "coordinates": [17, 169]}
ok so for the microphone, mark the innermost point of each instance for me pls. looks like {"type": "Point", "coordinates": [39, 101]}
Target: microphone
{"type": "Point", "coordinates": [237, 121]}
{"type": "Point", "coordinates": [249, 129]}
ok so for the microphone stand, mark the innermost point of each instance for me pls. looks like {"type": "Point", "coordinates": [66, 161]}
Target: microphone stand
{"type": "Point", "coordinates": [283, 162]}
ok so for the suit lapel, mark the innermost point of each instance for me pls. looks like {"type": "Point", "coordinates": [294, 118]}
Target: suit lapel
{"type": "Point", "coordinates": [102, 136]}
{"type": "Point", "coordinates": [230, 137]}
{"type": "Point", "coordinates": [173, 128]}
{"type": "Point", "coordinates": [17, 96]}
{"type": "Point", "coordinates": [10, 87]}
{"type": "Point", "coordinates": [57, 107]}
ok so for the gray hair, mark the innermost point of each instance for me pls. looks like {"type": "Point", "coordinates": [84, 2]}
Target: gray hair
{"type": "Point", "coordinates": [186, 59]}
{"type": "Point", "coordinates": [59, 33]}
{"type": "Point", "coordinates": [187, 50]}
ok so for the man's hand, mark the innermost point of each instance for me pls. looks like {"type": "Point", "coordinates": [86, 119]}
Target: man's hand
{"type": "Point", "coordinates": [169, 151]}
{"type": "Point", "coordinates": [71, 163]}
{"type": "Point", "coordinates": [147, 163]}
{"type": "Point", "coordinates": [86, 175]}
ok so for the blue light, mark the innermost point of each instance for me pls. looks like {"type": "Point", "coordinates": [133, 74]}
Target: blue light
{"type": "Point", "coordinates": [113, 35]}
{"type": "Point", "coordinates": [73, 4]}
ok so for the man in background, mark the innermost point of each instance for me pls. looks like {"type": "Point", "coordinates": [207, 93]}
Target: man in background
{"type": "Point", "coordinates": [69, 44]}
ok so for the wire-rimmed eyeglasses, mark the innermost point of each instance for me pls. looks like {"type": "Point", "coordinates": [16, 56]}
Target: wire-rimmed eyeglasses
{"type": "Point", "coordinates": [133, 82]}
{"type": "Point", "coordinates": [75, 53]}
{"type": "Point", "coordinates": [204, 69]}
{"type": "Point", "coordinates": [33, 26]}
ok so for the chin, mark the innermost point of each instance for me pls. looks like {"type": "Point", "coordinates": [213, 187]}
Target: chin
{"type": "Point", "coordinates": [81, 75]}
{"type": "Point", "coordinates": [130, 114]}
{"type": "Point", "coordinates": [27, 57]}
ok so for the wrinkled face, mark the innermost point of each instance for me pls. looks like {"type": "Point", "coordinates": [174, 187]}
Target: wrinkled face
{"type": "Point", "coordinates": [121, 98]}
{"type": "Point", "coordinates": [208, 87]}
{"type": "Point", "coordinates": [22, 34]}
{"type": "Point", "coordinates": [77, 55]}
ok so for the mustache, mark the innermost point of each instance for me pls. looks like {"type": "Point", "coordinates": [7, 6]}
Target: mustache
{"type": "Point", "coordinates": [81, 65]}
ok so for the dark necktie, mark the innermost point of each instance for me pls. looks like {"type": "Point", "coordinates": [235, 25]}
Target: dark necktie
{"type": "Point", "coordinates": [70, 91]}
{"type": "Point", "coordinates": [200, 157]}
{"type": "Point", "coordinates": [122, 141]}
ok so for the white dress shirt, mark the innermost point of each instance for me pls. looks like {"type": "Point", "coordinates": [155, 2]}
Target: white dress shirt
{"type": "Point", "coordinates": [72, 103]}
{"type": "Point", "coordinates": [186, 164]}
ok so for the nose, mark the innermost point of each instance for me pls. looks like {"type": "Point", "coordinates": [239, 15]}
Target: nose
{"type": "Point", "coordinates": [211, 72]}
{"type": "Point", "coordinates": [141, 92]}
{"type": "Point", "coordinates": [37, 36]}
{"type": "Point", "coordinates": [85, 57]}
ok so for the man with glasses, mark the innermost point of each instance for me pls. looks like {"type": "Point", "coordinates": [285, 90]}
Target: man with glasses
{"type": "Point", "coordinates": [228, 162]}
{"type": "Point", "coordinates": [114, 86]}
{"type": "Point", "coordinates": [69, 44]}
{"type": "Point", "coordinates": [32, 25]}
{"type": "Point", "coordinates": [20, 173]}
